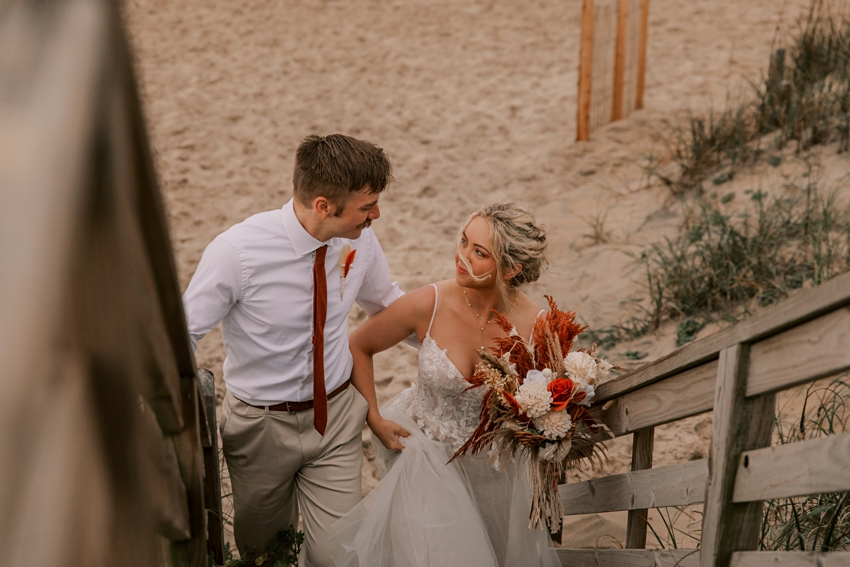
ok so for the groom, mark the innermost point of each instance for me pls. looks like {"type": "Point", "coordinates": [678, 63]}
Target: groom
{"type": "Point", "coordinates": [283, 283]}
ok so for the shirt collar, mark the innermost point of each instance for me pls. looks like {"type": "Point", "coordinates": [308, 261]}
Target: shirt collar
{"type": "Point", "coordinates": [302, 241]}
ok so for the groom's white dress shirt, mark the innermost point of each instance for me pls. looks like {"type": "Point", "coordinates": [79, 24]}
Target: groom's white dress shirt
{"type": "Point", "coordinates": [256, 277]}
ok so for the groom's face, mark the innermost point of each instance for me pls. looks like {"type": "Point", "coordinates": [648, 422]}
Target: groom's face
{"type": "Point", "coordinates": [357, 213]}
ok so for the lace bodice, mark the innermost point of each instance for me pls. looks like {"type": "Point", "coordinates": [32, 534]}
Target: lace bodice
{"type": "Point", "coordinates": [440, 403]}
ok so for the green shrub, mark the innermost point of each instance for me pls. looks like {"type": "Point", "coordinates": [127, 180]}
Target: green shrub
{"type": "Point", "coordinates": [282, 552]}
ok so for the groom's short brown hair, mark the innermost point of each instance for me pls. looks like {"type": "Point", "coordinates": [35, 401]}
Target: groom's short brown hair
{"type": "Point", "coordinates": [336, 166]}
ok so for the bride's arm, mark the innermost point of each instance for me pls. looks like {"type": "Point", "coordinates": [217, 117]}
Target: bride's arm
{"type": "Point", "coordinates": [408, 314]}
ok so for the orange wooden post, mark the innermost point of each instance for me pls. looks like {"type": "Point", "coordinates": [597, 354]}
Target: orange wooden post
{"type": "Point", "coordinates": [620, 59]}
{"type": "Point", "coordinates": [641, 65]}
{"type": "Point", "coordinates": [585, 71]}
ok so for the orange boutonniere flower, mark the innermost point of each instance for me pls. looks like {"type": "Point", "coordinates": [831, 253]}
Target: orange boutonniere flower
{"type": "Point", "coordinates": [346, 259]}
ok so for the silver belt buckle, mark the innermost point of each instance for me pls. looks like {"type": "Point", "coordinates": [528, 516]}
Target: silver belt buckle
{"type": "Point", "coordinates": [287, 408]}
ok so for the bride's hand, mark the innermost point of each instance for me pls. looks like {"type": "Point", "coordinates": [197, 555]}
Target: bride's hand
{"type": "Point", "coordinates": [388, 432]}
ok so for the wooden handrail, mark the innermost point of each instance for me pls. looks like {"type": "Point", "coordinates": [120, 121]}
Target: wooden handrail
{"type": "Point", "coordinates": [672, 485]}
{"type": "Point", "coordinates": [734, 373]}
{"type": "Point", "coordinates": [106, 433]}
{"type": "Point", "coordinates": [629, 557]}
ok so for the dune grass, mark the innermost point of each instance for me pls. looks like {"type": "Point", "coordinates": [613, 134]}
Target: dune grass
{"type": "Point", "coordinates": [722, 266]}
{"type": "Point", "coordinates": [820, 522]}
{"type": "Point", "coordinates": [804, 98]}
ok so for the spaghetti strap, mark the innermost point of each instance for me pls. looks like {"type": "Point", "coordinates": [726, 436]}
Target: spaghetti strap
{"type": "Point", "coordinates": [542, 311]}
{"type": "Point", "coordinates": [436, 297]}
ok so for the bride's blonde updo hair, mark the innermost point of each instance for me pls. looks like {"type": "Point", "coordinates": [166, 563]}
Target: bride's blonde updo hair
{"type": "Point", "coordinates": [515, 240]}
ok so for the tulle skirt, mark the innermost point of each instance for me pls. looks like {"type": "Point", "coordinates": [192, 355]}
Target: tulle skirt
{"type": "Point", "coordinates": [426, 513]}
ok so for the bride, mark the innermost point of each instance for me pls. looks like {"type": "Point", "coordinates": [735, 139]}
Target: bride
{"type": "Point", "coordinates": [425, 512]}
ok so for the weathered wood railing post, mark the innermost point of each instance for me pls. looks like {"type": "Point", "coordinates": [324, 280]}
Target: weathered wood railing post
{"type": "Point", "coordinates": [740, 424]}
{"type": "Point", "coordinates": [642, 445]}
{"type": "Point", "coordinates": [212, 473]}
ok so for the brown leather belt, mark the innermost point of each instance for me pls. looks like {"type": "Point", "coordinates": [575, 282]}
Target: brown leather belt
{"type": "Point", "coordinates": [294, 407]}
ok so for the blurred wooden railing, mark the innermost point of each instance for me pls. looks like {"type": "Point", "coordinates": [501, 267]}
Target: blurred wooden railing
{"type": "Point", "coordinates": [736, 374]}
{"type": "Point", "coordinates": [107, 449]}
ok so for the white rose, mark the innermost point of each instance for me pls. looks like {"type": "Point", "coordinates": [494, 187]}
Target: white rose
{"type": "Point", "coordinates": [536, 376]}
{"type": "Point", "coordinates": [581, 366]}
{"type": "Point", "coordinates": [534, 398]}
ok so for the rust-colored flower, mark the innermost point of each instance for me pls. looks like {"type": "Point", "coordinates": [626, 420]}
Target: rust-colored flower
{"type": "Point", "coordinates": [346, 259]}
{"type": "Point", "coordinates": [514, 405]}
{"type": "Point", "coordinates": [561, 390]}
{"type": "Point", "coordinates": [349, 260]}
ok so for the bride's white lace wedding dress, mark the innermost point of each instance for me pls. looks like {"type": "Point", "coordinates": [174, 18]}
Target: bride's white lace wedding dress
{"type": "Point", "coordinates": [426, 513]}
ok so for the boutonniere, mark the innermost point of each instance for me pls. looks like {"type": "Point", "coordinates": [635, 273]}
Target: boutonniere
{"type": "Point", "coordinates": [346, 259]}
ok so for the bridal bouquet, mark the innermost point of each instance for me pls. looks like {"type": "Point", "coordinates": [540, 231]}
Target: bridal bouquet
{"type": "Point", "coordinates": [535, 407]}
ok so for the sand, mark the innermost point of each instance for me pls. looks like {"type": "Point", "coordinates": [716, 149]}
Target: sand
{"type": "Point", "coordinates": [473, 100]}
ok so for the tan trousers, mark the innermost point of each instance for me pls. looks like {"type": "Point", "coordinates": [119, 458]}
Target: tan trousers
{"type": "Point", "coordinates": [280, 465]}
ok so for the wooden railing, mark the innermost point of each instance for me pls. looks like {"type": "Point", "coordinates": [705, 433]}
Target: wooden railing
{"type": "Point", "coordinates": [736, 374]}
{"type": "Point", "coordinates": [107, 449]}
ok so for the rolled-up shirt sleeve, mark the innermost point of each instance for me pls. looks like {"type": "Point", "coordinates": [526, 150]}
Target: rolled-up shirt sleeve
{"type": "Point", "coordinates": [378, 290]}
{"type": "Point", "coordinates": [214, 289]}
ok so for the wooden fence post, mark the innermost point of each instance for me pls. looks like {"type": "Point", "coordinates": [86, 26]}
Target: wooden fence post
{"type": "Point", "coordinates": [641, 64]}
{"type": "Point", "coordinates": [585, 72]}
{"type": "Point", "coordinates": [620, 59]}
{"type": "Point", "coordinates": [740, 424]}
{"type": "Point", "coordinates": [642, 444]}
{"type": "Point", "coordinates": [212, 474]}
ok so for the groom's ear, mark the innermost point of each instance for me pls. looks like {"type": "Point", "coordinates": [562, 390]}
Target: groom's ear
{"type": "Point", "coordinates": [323, 207]}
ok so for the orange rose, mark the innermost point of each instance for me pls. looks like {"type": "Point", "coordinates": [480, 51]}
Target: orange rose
{"type": "Point", "coordinates": [561, 390]}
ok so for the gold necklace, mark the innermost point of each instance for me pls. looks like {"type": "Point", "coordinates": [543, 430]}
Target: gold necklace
{"type": "Point", "coordinates": [487, 322]}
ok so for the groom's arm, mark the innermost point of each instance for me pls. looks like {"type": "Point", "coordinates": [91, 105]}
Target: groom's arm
{"type": "Point", "coordinates": [214, 289]}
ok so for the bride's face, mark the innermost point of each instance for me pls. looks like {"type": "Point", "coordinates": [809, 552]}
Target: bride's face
{"type": "Point", "coordinates": [474, 247]}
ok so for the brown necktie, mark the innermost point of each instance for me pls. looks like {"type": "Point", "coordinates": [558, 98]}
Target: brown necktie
{"type": "Point", "coordinates": [320, 315]}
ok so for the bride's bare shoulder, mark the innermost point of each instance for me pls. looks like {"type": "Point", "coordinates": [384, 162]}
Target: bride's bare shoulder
{"type": "Point", "coordinates": [443, 286]}
{"type": "Point", "coordinates": [422, 298]}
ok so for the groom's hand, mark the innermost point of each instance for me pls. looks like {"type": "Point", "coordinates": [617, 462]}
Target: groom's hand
{"type": "Point", "coordinates": [388, 432]}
